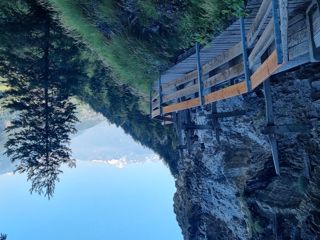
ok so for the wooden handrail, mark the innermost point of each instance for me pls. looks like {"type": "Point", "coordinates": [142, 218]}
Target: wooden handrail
{"type": "Point", "coordinates": [260, 20]}
{"type": "Point", "coordinates": [267, 68]}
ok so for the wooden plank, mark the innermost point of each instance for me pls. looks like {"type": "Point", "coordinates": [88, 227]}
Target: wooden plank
{"type": "Point", "coordinates": [156, 113]}
{"type": "Point", "coordinates": [228, 92]}
{"type": "Point", "coordinates": [277, 29]}
{"type": "Point", "coordinates": [265, 70]}
{"type": "Point", "coordinates": [223, 58]}
{"type": "Point", "coordinates": [214, 63]}
{"type": "Point", "coordinates": [270, 122]}
{"type": "Point", "coordinates": [181, 80]}
{"type": "Point", "coordinates": [263, 43]}
{"type": "Point", "coordinates": [200, 74]}
{"type": "Point", "coordinates": [301, 25]}
{"type": "Point", "coordinates": [297, 38]}
{"type": "Point", "coordinates": [181, 93]}
{"type": "Point", "coordinates": [298, 50]}
{"type": "Point", "coordinates": [225, 75]}
{"type": "Point", "coordinates": [245, 59]}
{"type": "Point", "coordinates": [182, 105]}
{"type": "Point", "coordinates": [283, 4]}
{"type": "Point", "coordinates": [259, 21]}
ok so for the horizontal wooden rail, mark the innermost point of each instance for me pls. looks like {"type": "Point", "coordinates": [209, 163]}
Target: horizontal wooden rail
{"type": "Point", "coordinates": [228, 92]}
{"type": "Point", "coordinates": [267, 68]}
{"type": "Point", "coordinates": [225, 75]}
{"type": "Point", "coordinates": [182, 106]}
{"type": "Point", "coordinates": [259, 22]}
{"type": "Point", "coordinates": [216, 62]}
{"type": "Point", "coordinates": [181, 93]}
{"type": "Point", "coordinates": [262, 44]}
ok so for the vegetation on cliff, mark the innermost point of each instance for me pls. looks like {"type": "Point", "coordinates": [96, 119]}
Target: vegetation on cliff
{"type": "Point", "coordinates": [139, 39]}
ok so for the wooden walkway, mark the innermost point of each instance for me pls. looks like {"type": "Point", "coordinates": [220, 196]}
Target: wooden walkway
{"type": "Point", "coordinates": [274, 37]}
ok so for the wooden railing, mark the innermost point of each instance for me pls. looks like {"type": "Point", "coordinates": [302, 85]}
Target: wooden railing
{"type": "Point", "coordinates": [224, 76]}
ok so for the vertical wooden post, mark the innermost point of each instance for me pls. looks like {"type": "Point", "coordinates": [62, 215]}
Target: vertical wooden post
{"type": "Point", "coordinates": [151, 101]}
{"type": "Point", "coordinates": [277, 33]}
{"type": "Point", "coordinates": [284, 28]}
{"type": "Point", "coordinates": [200, 83]}
{"type": "Point", "coordinates": [160, 96]}
{"type": "Point", "coordinates": [245, 54]}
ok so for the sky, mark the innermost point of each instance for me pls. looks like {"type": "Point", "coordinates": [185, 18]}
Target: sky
{"type": "Point", "coordinates": [108, 196]}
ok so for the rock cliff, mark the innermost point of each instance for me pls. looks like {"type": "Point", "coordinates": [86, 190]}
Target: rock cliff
{"type": "Point", "coordinates": [228, 189]}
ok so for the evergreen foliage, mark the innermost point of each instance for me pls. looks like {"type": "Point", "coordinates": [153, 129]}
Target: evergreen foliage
{"type": "Point", "coordinates": [37, 63]}
{"type": "Point", "coordinates": [3, 236]}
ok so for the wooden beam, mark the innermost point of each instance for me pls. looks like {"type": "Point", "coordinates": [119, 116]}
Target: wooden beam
{"type": "Point", "coordinates": [160, 95]}
{"type": "Point", "coordinates": [275, 153]}
{"type": "Point", "coordinates": [259, 21]}
{"type": "Point", "coordinates": [155, 113]}
{"type": "Point", "coordinates": [215, 121]}
{"type": "Point", "coordinates": [270, 122]}
{"type": "Point", "coordinates": [262, 44]}
{"type": "Point", "coordinates": [268, 67]}
{"type": "Point", "coordinates": [245, 54]}
{"type": "Point", "coordinates": [199, 68]}
{"type": "Point", "coordinates": [195, 127]}
{"type": "Point", "coordinates": [228, 92]}
{"type": "Point", "coordinates": [277, 33]}
{"type": "Point", "coordinates": [151, 101]}
{"type": "Point", "coordinates": [181, 93]}
{"type": "Point", "coordinates": [229, 114]}
{"type": "Point", "coordinates": [283, 5]}
{"type": "Point", "coordinates": [223, 58]}
{"type": "Point", "coordinates": [181, 80]}
{"type": "Point", "coordinates": [232, 72]}
{"type": "Point", "coordinates": [182, 105]}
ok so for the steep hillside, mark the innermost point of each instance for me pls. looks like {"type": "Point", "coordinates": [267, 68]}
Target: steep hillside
{"type": "Point", "coordinates": [139, 39]}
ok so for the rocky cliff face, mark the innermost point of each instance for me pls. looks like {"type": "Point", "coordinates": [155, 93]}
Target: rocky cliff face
{"type": "Point", "coordinates": [229, 190]}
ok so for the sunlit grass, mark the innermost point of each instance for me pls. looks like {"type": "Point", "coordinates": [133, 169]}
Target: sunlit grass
{"type": "Point", "coordinates": [135, 57]}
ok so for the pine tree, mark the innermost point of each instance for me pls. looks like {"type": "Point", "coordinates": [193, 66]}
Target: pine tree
{"type": "Point", "coordinates": [38, 62]}
{"type": "Point", "coordinates": [3, 236]}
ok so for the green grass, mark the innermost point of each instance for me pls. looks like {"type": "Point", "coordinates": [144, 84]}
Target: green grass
{"type": "Point", "coordinates": [129, 45]}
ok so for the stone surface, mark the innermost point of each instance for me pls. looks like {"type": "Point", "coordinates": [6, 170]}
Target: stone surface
{"type": "Point", "coordinates": [230, 190]}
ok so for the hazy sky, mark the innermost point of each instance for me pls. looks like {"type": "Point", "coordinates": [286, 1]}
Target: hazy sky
{"type": "Point", "coordinates": [95, 200]}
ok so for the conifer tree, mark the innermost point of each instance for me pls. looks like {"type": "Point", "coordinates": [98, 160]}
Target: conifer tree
{"type": "Point", "coordinates": [37, 62]}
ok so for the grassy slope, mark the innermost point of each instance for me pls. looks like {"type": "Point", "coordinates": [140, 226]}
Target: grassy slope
{"type": "Point", "coordinates": [139, 38]}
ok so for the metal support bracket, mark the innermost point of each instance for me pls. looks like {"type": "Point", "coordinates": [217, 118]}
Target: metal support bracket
{"type": "Point", "coordinates": [215, 121]}
{"type": "Point", "coordinates": [270, 122]}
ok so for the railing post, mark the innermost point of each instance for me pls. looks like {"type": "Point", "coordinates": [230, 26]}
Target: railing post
{"type": "Point", "coordinates": [200, 82]}
{"type": "Point", "coordinates": [277, 32]}
{"type": "Point", "coordinates": [283, 6]}
{"type": "Point", "coordinates": [160, 95]}
{"type": "Point", "coordinates": [245, 54]}
{"type": "Point", "coordinates": [151, 108]}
